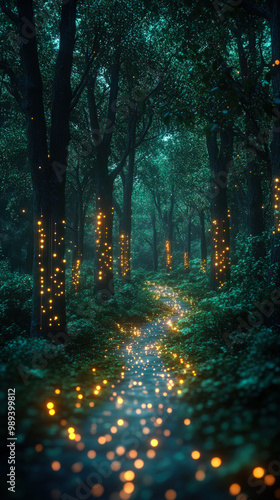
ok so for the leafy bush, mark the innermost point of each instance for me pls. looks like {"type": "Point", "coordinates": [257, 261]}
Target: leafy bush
{"type": "Point", "coordinates": [15, 303]}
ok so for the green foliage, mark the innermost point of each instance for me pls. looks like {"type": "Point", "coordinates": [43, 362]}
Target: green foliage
{"type": "Point", "coordinates": [232, 399]}
{"type": "Point", "coordinates": [96, 331]}
{"type": "Point", "coordinates": [15, 303]}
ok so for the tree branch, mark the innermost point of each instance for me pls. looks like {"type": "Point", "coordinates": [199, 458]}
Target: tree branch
{"type": "Point", "coordinates": [256, 10]}
{"type": "Point", "coordinates": [117, 207]}
{"type": "Point", "coordinates": [85, 78]}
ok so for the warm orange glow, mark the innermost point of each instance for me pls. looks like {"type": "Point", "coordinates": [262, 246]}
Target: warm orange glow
{"type": "Point", "coordinates": [128, 487]}
{"type": "Point", "coordinates": [138, 464]}
{"type": "Point", "coordinates": [195, 455]}
{"type": "Point", "coordinates": [38, 447]}
{"type": "Point", "coordinates": [120, 450]}
{"type": "Point", "coordinates": [187, 421]}
{"type": "Point", "coordinates": [234, 489]}
{"type": "Point", "coordinates": [77, 467]}
{"type": "Point", "coordinates": [97, 490]}
{"type": "Point", "coordinates": [154, 442]}
{"type": "Point", "coordinates": [216, 462]}
{"type": "Point", "coordinates": [50, 405]}
{"type": "Point", "coordinates": [269, 480]}
{"type": "Point", "coordinates": [129, 475]}
{"type": "Point", "coordinates": [170, 495]}
{"type": "Point", "coordinates": [91, 454]}
{"type": "Point", "coordinates": [200, 475]}
{"type": "Point", "coordinates": [56, 466]}
{"type": "Point", "coordinates": [258, 472]}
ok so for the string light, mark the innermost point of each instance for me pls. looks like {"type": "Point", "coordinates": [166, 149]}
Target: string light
{"type": "Point", "coordinates": [221, 251]}
{"type": "Point", "coordinates": [168, 253]}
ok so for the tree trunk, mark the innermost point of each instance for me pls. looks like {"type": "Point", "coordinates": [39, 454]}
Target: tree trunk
{"type": "Point", "coordinates": [187, 251]}
{"type": "Point", "coordinates": [219, 162]}
{"type": "Point", "coordinates": [168, 230]}
{"type": "Point", "coordinates": [203, 244]}
{"type": "Point", "coordinates": [104, 284]}
{"type": "Point", "coordinates": [40, 170]}
{"type": "Point", "coordinates": [275, 147]}
{"type": "Point", "coordinates": [48, 171]}
{"type": "Point", "coordinates": [125, 220]}
{"type": "Point", "coordinates": [154, 244]}
{"type": "Point", "coordinates": [255, 222]}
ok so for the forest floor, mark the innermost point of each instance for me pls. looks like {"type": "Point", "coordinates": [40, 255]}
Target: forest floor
{"type": "Point", "coordinates": [135, 443]}
{"type": "Point", "coordinates": [161, 418]}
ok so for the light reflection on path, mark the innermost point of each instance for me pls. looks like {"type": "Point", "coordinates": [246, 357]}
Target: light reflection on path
{"type": "Point", "coordinates": [132, 446]}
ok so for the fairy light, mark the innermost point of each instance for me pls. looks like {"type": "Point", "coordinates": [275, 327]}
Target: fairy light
{"type": "Point", "coordinates": [221, 251]}
{"type": "Point", "coordinates": [203, 265]}
{"type": "Point", "coordinates": [186, 261]}
{"type": "Point", "coordinates": [168, 254]}
{"type": "Point", "coordinates": [124, 243]}
{"type": "Point", "coordinates": [104, 252]}
{"type": "Point", "coordinates": [276, 206]}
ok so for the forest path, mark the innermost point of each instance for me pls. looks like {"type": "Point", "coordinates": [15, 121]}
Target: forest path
{"type": "Point", "coordinates": [135, 444]}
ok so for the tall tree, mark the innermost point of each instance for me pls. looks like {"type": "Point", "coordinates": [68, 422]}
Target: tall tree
{"type": "Point", "coordinates": [48, 158]}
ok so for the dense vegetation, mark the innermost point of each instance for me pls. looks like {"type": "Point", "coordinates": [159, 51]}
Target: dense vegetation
{"type": "Point", "coordinates": [140, 144]}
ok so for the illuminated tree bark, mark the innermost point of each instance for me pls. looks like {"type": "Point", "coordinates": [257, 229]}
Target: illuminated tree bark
{"type": "Point", "coordinates": [125, 217]}
{"type": "Point", "coordinates": [220, 158]}
{"type": "Point", "coordinates": [275, 145]}
{"type": "Point", "coordinates": [154, 243]}
{"type": "Point", "coordinates": [166, 218]}
{"type": "Point", "coordinates": [203, 244]}
{"type": "Point", "coordinates": [187, 250]}
{"type": "Point", "coordinates": [104, 283]}
{"type": "Point", "coordinates": [47, 161]}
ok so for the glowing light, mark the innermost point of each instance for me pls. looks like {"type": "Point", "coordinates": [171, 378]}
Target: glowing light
{"type": "Point", "coordinates": [128, 487]}
{"type": "Point", "coordinates": [269, 480]}
{"type": "Point", "coordinates": [120, 450]}
{"type": "Point", "coordinates": [234, 489]}
{"type": "Point", "coordinates": [200, 475]}
{"type": "Point", "coordinates": [52, 412]}
{"type": "Point", "coordinates": [138, 464]}
{"type": "Point", "coordinates": [91, 454]}
{"type": "Point", "coordinates": [50, 405]}
{"type": "Point", "coordinates": [120, 422]}
{"type": "Point", "coordinates": [129, 475]}
{"type": "Point", "coordinates": [258, 472]}
{"type": "Point", "coordinates": [154, 442]}
{"type": "Point", "coordinates": [77, 467]}
{"type": "Point", "coordinates": [170, 495]}
{"type": "Point", "coordinates": [97, 490]}
{"type": "Point", "coordinates": [195, 455]}
{"type": "Point", "coordinates": [56, 465]}
{"type": "Point", "coordinates": [216, 462]}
